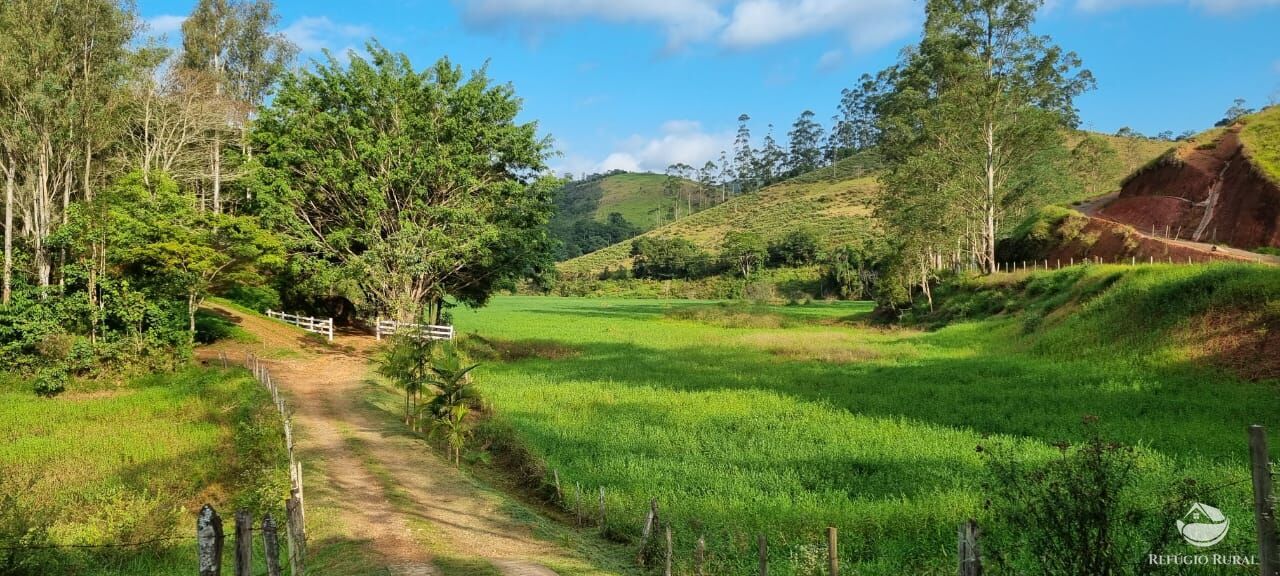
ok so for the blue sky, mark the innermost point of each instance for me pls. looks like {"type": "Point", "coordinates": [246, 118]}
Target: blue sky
{"type": "Point", "coordinates": [639, 84]}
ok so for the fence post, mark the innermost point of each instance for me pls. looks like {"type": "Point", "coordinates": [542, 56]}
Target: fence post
{"type": "Point", "coordinates": [271, 545]}
{"type": "Point", "coordinates": [555, 474]}
{"type": "Point", "coordinates": [1264, 511]}
{"type": "Point", "coordinates": [209, 539]}
{"type": "Point", "coordinates": [244, 543]}
{"type": "Point", "coordinates": [970, 555]}
{"type": "Point", "coordinates": [649, 522]}
{"type": "Point", "coordinates": [297, 538]}
{"type": "Point", "coordinates": [602, 511]}
{"type": "Point", "coordinates": [764, 555]}
{"type": "Point", "coordinates": [667, 570]}
{"type": "Point", "coordinates": [832, 555]}
{"type": "Point", "coordinates": [700, 556]}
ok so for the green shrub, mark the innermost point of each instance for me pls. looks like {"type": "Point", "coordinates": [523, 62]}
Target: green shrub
{"type": "Point", "coordinates": [798, 247]}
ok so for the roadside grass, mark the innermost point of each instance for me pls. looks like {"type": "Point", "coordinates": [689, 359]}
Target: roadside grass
{"type": "Point", "coordinates": [385, 404]}
{"type": "Point", "coordinates": [134, 464]}
{"type": "Point", "coordinates": [735, 439]}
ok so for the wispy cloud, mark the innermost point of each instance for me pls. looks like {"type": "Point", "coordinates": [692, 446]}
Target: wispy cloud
{"type": "Point", "coordinates": [677, 141]}
{"type": "Point", "coordinates": [313, 34]}
{"type": "Point", "coordinates": [737, 24]}
{"type": "Point", "coordinates": [830, 60]}
{"type": "Point", "coordinates": [866, 23]}
{"type": "Point", "coordinates": [1219, 7]}
{"type": "Point", "coordinates": [165, 24]}
{"type": "Point", "coordinates": [684, 21]}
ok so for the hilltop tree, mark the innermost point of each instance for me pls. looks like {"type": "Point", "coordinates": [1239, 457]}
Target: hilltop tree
{"type": "Point", "coordinates": [411, 185]}
{"type": "Point", "coordinates": [771, 159]}
{"type": "Point", "coordinates": [744, 158]}
{"type": "Point", "coordinates": [971, 123]}
{"type": "Point", "coordinates": [1237, 111]}
{"type": "Point", "coordinates": [806, 144]}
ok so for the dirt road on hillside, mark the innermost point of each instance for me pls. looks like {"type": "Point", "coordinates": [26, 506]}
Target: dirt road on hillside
{"type": "Point", "coordinates": [381, 485]}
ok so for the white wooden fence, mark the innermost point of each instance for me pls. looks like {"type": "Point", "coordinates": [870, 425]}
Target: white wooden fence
{"type": "Point", "coordinates": [423, 331]}
{"type": "Point", "coordinates": [307, 323]}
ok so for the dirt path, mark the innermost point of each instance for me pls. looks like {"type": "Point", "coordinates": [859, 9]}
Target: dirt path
{"type": "Point", "coordinates": [417, 513]}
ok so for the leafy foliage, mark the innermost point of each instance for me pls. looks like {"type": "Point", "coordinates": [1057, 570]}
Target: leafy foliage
{"type": "Point", "coordinates": [666, 258]}
{"type": "Point", "coordinates": [410, 186]}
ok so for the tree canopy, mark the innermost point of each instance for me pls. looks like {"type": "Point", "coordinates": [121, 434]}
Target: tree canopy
{"type": "Point", "coordinates": [412, 186]}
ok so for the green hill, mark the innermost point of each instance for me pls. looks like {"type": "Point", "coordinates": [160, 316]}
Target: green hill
{"type": "Point", "coordinates": [838, 211]}
{"type": "Point", "coordinates": [1261, 139]}
{"type": "Point", "coordinates": [835, 203]}
{"type": "Point", "coordinates": [583, 221]}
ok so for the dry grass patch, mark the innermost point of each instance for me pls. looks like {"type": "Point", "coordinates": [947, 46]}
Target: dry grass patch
{"type": "Point", "coordinates": [833, 347]}
{"type": "Point", "coordinates": [481, 348]}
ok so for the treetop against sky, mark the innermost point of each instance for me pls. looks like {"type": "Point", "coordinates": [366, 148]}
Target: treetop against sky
{"type": "Point", "coordinates": [642, 84]}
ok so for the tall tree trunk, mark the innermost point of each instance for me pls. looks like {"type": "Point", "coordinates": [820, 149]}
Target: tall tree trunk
{"type": "Point", "coordinates": [989, 225]}
{"type": "Point", "coordinates": [10, 174]}
{"type": "Point", "coordinates": [217, 174]}
{"type": "Point", "coordinates": [92, 287]}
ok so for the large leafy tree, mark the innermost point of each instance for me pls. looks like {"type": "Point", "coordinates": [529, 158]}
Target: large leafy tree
{"type": "Point", "coordinates": [971, 125]}
{"type": "Point", "coordinates": [411, 185]}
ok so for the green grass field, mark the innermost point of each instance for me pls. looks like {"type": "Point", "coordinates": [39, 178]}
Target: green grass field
{"type": "Point", "coordinates": [784, 420]}
{"type": "Point", "coordinates": [109, 465]}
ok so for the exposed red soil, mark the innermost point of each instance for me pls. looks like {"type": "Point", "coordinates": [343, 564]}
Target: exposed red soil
{"type": "Point", "coordinates": [1211, 194]}
{"type": "Point", "coordinates": [1115, 242]}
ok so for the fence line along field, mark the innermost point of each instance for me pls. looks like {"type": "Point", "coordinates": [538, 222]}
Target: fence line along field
{"type": "Point", "coordinates": [147, 455]}
{"type": "Point", "coordinates": [783, 420]}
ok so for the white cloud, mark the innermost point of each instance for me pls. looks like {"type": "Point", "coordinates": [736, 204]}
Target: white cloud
{"type": "Point", "coordinates": [1276, 66]}
{"type": "Point", "coordinates": [678, 141]}
{"type": "Point", "coordinates": [866, 23]}
{"type": "Point", "coordinates": [734, 23]}
{"type": "Point", "coordinates": [830, 60]}
{"type": "Point", "coordinates": [312, 34]}
{"type": "Point", "coordinates": [1210, 6]}
{"type": "Point", "coordinates": [683, 20]}
{"type": "Point", "coordinates": [165, 24]}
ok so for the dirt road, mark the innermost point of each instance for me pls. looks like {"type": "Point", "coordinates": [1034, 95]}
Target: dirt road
{"type": "Point", "coordinates": [369, 481]}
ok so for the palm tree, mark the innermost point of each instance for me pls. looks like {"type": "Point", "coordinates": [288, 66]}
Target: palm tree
{"type": "Point", "coordinates": [451, 379]}
{"type": "Point", "coordinates": [407, 363]}
{"type": "Point", "coordinates": [455, 431]}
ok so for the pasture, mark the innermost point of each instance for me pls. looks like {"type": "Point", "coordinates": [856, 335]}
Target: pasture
{"type": "Point", "coordinates": [107, 478]}
{"type": "Point", "coordinates": [782, 420]}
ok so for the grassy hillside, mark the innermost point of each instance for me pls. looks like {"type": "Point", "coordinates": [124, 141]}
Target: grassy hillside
{"type": "Point", "coordinates": [784, 420]}
{"type": "Point", "coordinates": [1261, 138]}
{"type": "Point", "coordinates": [638, 197]}
{"type": "Point", "coordinates": [583, 223]}
{"type": "Point", "coordinates": [838, 208]}
{"type": "Point", "coordinates": [119, 465]}
{"type": "Point", "coordinates": [838, 211]}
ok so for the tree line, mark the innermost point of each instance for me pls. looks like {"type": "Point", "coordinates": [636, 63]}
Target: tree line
{"type": "Point", "coordinates": [139, 180]}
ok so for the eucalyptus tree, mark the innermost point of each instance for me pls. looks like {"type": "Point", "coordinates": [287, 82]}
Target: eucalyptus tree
{"type": "Point", "coordinates": [744, 157]}
{"type": "Point", "coordinates": [806, 137]}
{"type": "Point", "coordinates": [412, 186]}
{"type": "Point", "coordinates": [234, 44]}
{"type": "Point", "coordinates": [970, 123]}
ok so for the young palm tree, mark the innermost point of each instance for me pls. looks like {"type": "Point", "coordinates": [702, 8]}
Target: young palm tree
{"type": "Point", "coordinates": [406, 362]}
{"type": "Point", "coordinates": [455, 431]}
{"type": "Point", "coordinates": [452, 382]}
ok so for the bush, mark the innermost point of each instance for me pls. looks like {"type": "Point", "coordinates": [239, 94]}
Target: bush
{"type": "Point", "coordinates": [852, 272]}
{"type": "Point", "coordinates": [257, 298]}
{"type": "Point", "coordinates": [1077, 514]}
{"type": "Point", "coordinates": [668, 258]}
{"type": "Point", "coordinates": [50, 382]}
{"type": "Point", "coordinates": [798, 247]}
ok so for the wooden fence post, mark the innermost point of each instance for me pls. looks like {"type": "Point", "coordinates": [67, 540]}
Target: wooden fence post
{"type": "Point", "coordinates": [297, 538]}
{"type": "Point", "coordinates": [700, 556]}
{"type": "Point", "coordinates": [833, 556]}
{"type": "Point", "coordinates": [555, 474]}
{"type": "Point", "coordinates": [650, 521]}
{"type": "Point", "coordinates": [1264, 511]}
{"type": "Point", "coordinates": [970, 554]}
{"type": "Point", "coordinates": [667, 570]}
{"type": "Point", "coordinates": [209, 539]}
{"type": "Point", "coordinates": [244, 543]}
{"type": "Point", "coordinates": [764, 555]}
{"type": "Point", "coordinates": [271, 545]}
{"type": "Point", "coordinates": [602, 511]}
